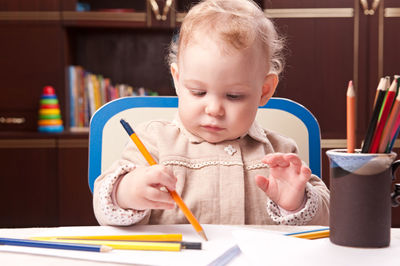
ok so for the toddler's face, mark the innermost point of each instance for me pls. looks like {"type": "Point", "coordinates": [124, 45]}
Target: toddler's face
{"type": "Point", "coordinates": [219, 92]}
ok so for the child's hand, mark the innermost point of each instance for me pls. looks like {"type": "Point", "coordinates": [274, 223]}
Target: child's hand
{"type": "Point", "coordinates": [287, 180]}
{"type": "Point", "coordinates": [143, 188]}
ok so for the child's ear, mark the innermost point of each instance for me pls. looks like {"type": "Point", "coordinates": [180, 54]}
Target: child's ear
{"type": "Point", "coordinates": [268, 89]}
{"type": "Point", "coordinates": [175, 75]}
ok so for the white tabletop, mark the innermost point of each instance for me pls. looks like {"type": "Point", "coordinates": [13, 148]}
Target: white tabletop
{"type": "Point", "coordinates": [220, 237]}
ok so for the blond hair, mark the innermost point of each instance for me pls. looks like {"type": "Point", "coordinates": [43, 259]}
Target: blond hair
{"type": "Point", "coordinates": [238, 23]}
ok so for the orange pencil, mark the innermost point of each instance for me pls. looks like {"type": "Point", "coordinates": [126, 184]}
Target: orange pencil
{"type": "Point", "coordinates": [351, 118]}
{"type": "Point", "coordinates": [390, 125]}
{"type": "Point", "coordinates": [387, 105]}
{"type": "Point", "coordinates": [189, 215]}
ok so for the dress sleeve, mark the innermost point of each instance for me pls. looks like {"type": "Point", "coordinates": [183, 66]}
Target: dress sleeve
{"type": "Point", "coordinates": [105, 206]}
{"type": "Point", "coordinates": [315, 210]}
{"type": "Point", "coordinates": [301, 217]}
{"type": "Point", "coordinates": [108, 212]}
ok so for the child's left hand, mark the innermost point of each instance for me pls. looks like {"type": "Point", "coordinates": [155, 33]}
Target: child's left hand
{"type": "Point", "coordinates": [287, 180]}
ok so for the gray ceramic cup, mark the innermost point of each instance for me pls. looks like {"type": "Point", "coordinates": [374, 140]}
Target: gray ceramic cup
{"type": "Point", "coordinates": [360, 201]}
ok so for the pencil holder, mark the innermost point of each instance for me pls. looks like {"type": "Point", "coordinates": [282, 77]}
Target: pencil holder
{"type": "Point", "coordinates": [360, 201]}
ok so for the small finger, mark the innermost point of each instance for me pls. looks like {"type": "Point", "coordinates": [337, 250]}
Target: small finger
{"type": "Point", "coordinates": [275, 160]}
{"type": "Point", "coordinates": [156, 195]}
{"type": "Point", "coordinates": [160, 205]}
{"type": "Point", "coordinates": [268, 158]}
{"type": "Point", "coordinates": [163, 176]}
{"type": "Point", "coordinates": [262, 182]}
{"type": "Point", "coordinates": [294, 159]}
{"type": "Point", "coordinates": [305, 173]}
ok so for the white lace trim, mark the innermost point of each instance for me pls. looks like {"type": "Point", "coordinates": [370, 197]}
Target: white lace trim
{"type": "Point", "coordinates": [200, 165]}
{"type": "Point", "coordinates": [113, 213]}
{"type": "Point", "coordinates": [257, 166]}
{"type": "Point", "coordinates": [213, 163]}
{"type": "Point", "coordinates": [302, 217]}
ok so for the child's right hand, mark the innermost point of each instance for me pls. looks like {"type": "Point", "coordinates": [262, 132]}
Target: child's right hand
{"type": "Point", "coordinates": [142, 188]}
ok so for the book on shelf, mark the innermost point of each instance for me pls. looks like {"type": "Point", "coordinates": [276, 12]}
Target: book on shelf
{"type": "Point", "coordinates": [89, 91]}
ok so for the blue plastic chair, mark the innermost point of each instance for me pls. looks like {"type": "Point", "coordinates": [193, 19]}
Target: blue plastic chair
{"type": "Point", "coordinates": [107, 138]}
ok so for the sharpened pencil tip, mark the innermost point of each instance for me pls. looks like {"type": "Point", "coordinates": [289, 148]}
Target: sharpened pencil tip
{"type": "Point", "coordinates": [105, 248]}
{"type": "Point", "coordinates": [203, 235]}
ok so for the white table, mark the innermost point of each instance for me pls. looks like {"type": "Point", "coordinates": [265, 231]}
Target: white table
{"type": "Point", "coordinates": [10, 258]}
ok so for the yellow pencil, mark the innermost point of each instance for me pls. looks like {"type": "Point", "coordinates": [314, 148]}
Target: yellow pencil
{"type": "Point", "coordinates": [189, 215]}
{"type": "Point", "coordinates": [131, 245]}
{"type": "Point", "coordinates": [312, 234]}
{"type": "Point", "coordinates": [165, 237]}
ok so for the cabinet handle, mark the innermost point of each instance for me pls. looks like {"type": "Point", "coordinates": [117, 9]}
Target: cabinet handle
{"type": "Point", "coordinates": [12, 120]}
{"type": "Point", "coordinates": [156, 9]}
{"type": "Point", "coordinates": [366, 9]}
{"type": "Point", "coordinates": [166, 9]}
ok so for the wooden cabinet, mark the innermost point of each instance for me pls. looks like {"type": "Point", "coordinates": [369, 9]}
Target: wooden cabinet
{"type": "Point", "coordinates": [74, 197]}
{"type": "Point", "coordinates": [44, 181]}
{"type": "Point", "coordinates": [28, 181]}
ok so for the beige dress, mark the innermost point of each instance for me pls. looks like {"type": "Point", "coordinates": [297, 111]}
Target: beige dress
{"type": "Point", "coordinates": [216, 181]}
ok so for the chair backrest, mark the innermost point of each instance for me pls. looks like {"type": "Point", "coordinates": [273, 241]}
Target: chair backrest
{"type": "Point", "coordinates": [107, 138]}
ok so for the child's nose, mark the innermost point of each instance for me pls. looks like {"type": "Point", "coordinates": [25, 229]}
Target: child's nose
{"type": "Point", "coordinates": [214, 108]}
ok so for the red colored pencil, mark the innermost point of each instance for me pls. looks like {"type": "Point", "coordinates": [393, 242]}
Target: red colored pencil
{"type": "Point", "coordinates": [382, 90]}
{"type": "Point", "coordinates": [392, 124]}
{"type": "Point", "coordinates": [385, 113]}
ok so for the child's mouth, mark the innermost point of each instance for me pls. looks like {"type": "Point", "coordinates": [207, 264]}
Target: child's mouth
{"type": "Point", "coordinates": [212, 128]}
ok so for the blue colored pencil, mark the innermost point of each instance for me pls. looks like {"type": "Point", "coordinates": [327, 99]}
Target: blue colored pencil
{"type": "Point", "coordinates": [54, 245]}
{"type": "Point", "coordinates": [391, 144]}
{"type": "Point", "coordinates": [311, 234]}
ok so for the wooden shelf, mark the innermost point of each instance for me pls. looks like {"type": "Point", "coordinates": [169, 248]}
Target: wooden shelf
{"type": "Point", "coordinates": [104, 19]}
{"type": "Point", "coordinates": [6, 135]}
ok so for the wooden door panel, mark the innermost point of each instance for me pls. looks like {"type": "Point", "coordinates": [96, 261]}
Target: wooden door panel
{"type": "Point", "coordinates": [315, 75]}
{"type": "Point", "coordinates": [28, 187]}
{"type": "Point", "coordinates": [75, 198]}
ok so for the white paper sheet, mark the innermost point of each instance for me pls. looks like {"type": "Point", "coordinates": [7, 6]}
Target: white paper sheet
{"type": "Point", "coordinates": [270, 248]}
{"type": "Point", "coordinates": [220, 240]}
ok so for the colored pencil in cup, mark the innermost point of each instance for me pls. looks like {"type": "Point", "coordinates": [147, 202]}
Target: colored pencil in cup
{"type": "Point", "coordinates": [158, 238]}
{"type": "Point", "coordinates": [391, 126]}
{"type": "Point", "coordinates": [311, 234]}
{"type": "Point", "coordinates": [387, 85]}
{"type": "Point", "coordinates": [186, 211]}
{"type": "Point", "coordinates": [375, 114]}
{"type": "Point", "coordinates": [396, 128]}
{"type": "Point", "coordinates": [54, 245]}
{"type": "Point", "coordinates": [386, 107]}
{"type": "Point", "coordinates": [393, 139]}
{"type": "Point", "coordinates": [351, 118]}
